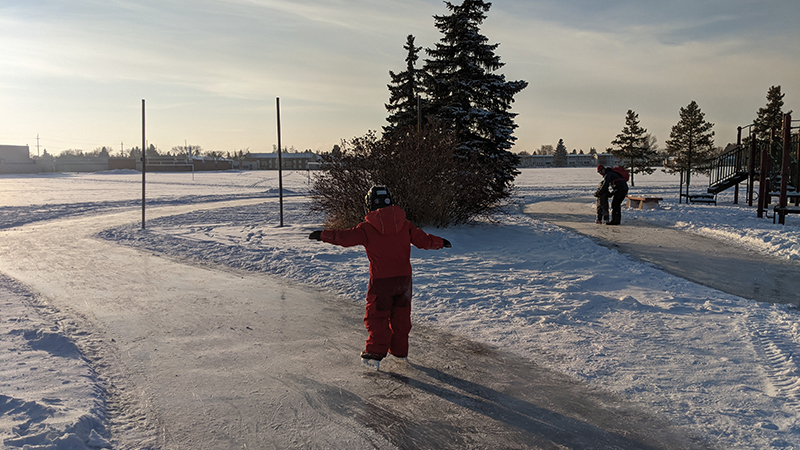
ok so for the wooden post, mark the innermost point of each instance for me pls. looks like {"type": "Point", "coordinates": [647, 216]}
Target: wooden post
{"type": "Point", "coordinates": [751, 167]}
{"type": "Point", "coordinates": [737, 163]}
{"type": "Point", "coordinates": [280, 162]}
{"type": "Point", "coordinates": [787, 160]}
{"type": "Point", "coordinates": [763, 181]}
{"type": "Point", "coordinates": [797, 173]}
{"type": "Point", "coordinates": [144, 165]}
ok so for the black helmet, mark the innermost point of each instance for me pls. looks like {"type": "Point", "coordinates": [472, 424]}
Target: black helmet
{"type": "Point", "coordinates": [378, 197]}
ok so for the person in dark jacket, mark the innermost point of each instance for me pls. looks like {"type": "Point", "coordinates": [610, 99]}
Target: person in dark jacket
{"type": "Point", "coordinates": [614, 186]}
{"type": "Point", "coordinates": [602, 202]}
{"type": "Point", "coordinates": [387, 236]}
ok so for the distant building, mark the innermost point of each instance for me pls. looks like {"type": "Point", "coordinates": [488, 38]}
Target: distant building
{"type": "Point", "coordinates": [16, 159]}
{"type": "Point", "coordinates": [78, 164]}
{"type": "Point", "coordinates": [586, 160]}
{"type": "Point", "coordinates": [581, 160]}
{"type": "Point", "coordinates": [529, 161]}
{"type": "Point", "coordinates": [289, 161]}
{"type": "Point", "coordinates": [607, 159]}
{"type": "Point", "coordinates": [184, 164]}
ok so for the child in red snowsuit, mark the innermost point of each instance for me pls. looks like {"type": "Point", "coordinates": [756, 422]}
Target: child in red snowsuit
{"type": "Point", "coordinates": [387, 237]}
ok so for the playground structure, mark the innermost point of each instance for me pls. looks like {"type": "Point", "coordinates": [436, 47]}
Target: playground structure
{"type": "Point", "coordinates": [773, 162]}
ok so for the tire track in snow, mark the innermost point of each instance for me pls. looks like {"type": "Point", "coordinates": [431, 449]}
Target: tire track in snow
{"type": "Point", "coordinates": [773, 342]}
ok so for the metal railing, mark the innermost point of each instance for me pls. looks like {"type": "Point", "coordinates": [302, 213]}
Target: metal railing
{"type": "Point", "coordinates": [729, 168]}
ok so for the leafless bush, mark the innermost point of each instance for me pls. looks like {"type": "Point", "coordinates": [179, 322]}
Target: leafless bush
{"type": "Point", "coordinates": [426, 178]}
{"type": "Point", "coordinates": [346, 176]}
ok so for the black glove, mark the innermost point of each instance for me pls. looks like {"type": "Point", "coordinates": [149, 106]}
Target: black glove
{"type": "Point", "coordinates": [447, 243]}
{"type": "Point", "coordinates": [315, 235]}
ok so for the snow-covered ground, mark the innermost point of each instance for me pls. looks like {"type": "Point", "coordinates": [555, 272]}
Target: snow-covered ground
{"type": "Point", "coordinates": [718, 364]}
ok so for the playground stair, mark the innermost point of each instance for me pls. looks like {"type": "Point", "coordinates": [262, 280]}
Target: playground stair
{"type": "Point", "coordinates": [728, 182]}
{"type": "Point", "coordinates": [729, 169]}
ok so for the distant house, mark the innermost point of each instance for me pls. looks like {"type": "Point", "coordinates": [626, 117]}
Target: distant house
{"type": "Point", "coordinates": [586, 160]}
{"type": "Point", "coordinates": [529, 161]}
{"type": "Point", "coordinates": [289, 161]}
{"type": "Point", "coordinates": [607, 159]}
{"type": "Point", "coordinates": [16, 159]}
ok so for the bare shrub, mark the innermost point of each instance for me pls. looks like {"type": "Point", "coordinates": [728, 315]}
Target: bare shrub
{"type": "Point", "coordinates": [346, 176]}
{"type": "Point", "coordinates": [427, 179]}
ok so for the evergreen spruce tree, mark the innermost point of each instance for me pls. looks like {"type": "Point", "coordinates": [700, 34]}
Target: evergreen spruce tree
{"type": "Point", "coordinates": [770, 117]}
{"type": "Point", "coordinates": [404, 90]}
{"type": "Point", "coordinates": [469, 97]}
{"type": "Point", "coordinates": [560, 158]}
{"type": "Point", "coordinates": [691, 141]}
{"type": "Point", "coordinates": [633, 148]}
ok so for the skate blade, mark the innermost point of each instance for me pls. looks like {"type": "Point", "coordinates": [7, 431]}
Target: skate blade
{"type": "Point", "coordinates": [371, 363]}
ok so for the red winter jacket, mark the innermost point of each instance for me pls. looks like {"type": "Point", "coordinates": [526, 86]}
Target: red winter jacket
{"type": "Point", "coordinates": [387, 236]}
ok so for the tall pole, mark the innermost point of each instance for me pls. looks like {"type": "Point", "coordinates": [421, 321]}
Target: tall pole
{"type": "Point", "coordinates": [763, 180]}
{"type": "Point", "coordinates": [737, 164]}
{"type": "Point", "coordinates": [280, 162]}
{"type": "Point", "coordinates": [751, 167]}
{"type": "Point", "coordinates": [144, 164]}
{"type": "Point", "coordinates": [787, 160]}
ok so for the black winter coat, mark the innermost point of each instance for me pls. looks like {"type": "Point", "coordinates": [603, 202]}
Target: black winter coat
{"type": "Point", "coordinates": [613, 182]}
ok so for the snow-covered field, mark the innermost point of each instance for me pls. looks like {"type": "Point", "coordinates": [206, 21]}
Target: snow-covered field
{"type": "Point", "coordinates": [720, 365]}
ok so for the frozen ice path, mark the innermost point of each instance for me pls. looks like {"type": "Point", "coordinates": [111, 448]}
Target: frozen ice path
{"type": "Point", "coordinates": [215, 358]}
{"type": "Point", "coordinates": [703, 260]}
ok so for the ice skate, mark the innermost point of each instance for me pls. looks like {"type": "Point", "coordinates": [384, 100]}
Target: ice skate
{"type": "Point", "coordinates": [402, 361]}
{"type": "Point", "coordinates": [371, 360]}
{"type": "Point", "coordinates": [371, 363]}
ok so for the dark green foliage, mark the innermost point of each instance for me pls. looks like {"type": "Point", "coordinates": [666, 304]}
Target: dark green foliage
{"type": "Point", "coordinates": [770, 118]}
{"type": "Point", "coordinates": [457, 165]}
{"type": "Point", "coordinates": [468, 96]}
{"type": "Point", "coordinates": [691, 141]}
{"type": "Point", "coordinates": [560, 157]}
{"type": "Point", "coordinates": [633, 146]}
{"type": "Point", "coordinates": [404, 93]}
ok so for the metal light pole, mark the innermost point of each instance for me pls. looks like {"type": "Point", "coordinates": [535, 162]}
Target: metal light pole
{"type": "Point", "coordinates": [144, 165]}
{"type": "Point", "coordinates": [280, 163]}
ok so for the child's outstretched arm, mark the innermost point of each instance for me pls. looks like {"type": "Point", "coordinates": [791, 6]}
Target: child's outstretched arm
{"type": "Point", "coordinates": [345, 238]}
{"type": "Point", "coordinates": [426, 241]}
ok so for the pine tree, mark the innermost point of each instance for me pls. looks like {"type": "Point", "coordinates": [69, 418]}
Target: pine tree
{"type": "Point", "coordinates": [404, 92]}
{"type": "Point", "coordinates": [770, 117]}
{"type": "Point", "coordinates": [560, 158]}
{"type": "Point", "coordinates": [691, 141]}
{"type": "Point", "coordinates": [632, 147]}
{"type": "Point", "coordinates": [469, 97]}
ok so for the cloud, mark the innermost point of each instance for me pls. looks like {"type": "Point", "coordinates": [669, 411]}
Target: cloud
{"type": "Point", "coordinates": [672, 22]}
{"type": "Point", "coordinates": [587, 63]}
{"type": "Point", "coordinates": [584, 79]}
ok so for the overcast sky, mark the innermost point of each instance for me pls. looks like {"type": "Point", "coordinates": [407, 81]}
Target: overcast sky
{"type": "Point", "coordinates": [75, 71]}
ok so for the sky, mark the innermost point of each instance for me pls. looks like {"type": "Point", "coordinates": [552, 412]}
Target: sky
{"type": "Point", "coordinates": [75, 72]}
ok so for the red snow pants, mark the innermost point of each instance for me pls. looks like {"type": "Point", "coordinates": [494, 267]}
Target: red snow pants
{"type": "Point", "coordinates": [388, 315]}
